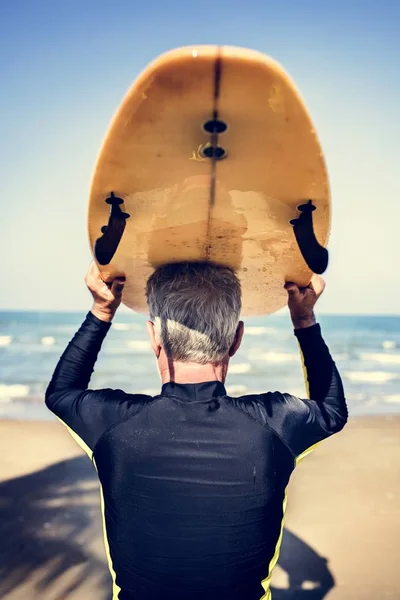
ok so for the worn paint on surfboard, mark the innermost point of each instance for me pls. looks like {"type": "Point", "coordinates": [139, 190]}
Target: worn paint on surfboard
{"type": "Point", "coordinates": [180, 204]}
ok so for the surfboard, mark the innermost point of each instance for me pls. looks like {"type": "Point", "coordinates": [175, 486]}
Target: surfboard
{"type": "Point", "coordinates": [212, 156]}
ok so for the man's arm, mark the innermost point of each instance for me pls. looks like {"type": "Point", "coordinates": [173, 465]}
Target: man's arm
{"type": "Point", "coordinates": [76, 365]}
{"type": "Point", "coordinates": [302, 423]}
{"type": "Point", "coordinates": [88, 413]}
{"type": "Point", "coordinates": [325, 388]}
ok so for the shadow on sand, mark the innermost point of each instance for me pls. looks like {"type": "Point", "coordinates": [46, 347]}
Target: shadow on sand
{"type": "Point", "coordinates": [50, 522]}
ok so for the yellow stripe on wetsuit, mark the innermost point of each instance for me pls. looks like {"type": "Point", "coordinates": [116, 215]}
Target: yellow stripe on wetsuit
{"type": "Point", "coordinates": [88, 451]}
{"type": "Point", "coordinates": [266, 583]}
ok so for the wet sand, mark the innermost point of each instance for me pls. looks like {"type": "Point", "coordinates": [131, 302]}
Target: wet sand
{"type": "Point", "coordinates": [342, 530]}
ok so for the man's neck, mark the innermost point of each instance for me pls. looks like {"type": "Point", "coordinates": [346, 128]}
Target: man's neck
{"type": "Point", "coordinates": [182, 372]}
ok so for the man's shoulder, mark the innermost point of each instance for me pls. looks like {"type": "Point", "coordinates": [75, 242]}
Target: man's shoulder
{"type": "Point", "coordinates": [125, 403]}
{"type": "Point", "coordinates": [268, 406]}
{"type": "Point", "coordinates": [257, 406]}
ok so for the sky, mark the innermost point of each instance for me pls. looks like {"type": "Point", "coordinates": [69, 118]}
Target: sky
{"type": "Point", "coordinates": [65, 67]}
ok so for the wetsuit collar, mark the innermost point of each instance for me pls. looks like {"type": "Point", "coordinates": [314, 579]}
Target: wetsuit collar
{"type": "Point", "coordinates": [194, 391]}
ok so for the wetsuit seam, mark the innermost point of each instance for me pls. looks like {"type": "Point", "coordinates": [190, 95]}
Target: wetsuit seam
{"type": "Point", "coordinates": [264, 425]}
{"type": "Point", "coordinates": [119, 422]}
{"type": "Point", "coordinates": [186, 401]}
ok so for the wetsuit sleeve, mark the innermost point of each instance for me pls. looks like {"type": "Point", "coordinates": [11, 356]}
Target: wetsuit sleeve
{"type": "Point", "coordinates": [87, 413]}
{"type": "Point", "coordinates": [301, 423]}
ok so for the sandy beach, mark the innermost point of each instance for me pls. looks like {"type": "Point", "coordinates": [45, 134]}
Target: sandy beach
{"type": "Point", "coordinates": [342, 530]}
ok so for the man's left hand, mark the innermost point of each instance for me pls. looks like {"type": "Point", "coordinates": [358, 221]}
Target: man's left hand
{"type": "Point", "coordinates": [106, 295]}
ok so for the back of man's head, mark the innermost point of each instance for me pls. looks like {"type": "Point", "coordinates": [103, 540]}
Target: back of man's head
{"type": "Point", "coordinates": [195, 308]}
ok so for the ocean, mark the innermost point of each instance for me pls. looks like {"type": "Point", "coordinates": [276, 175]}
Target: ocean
{"type": "Point", "coordinates": [366, 350]}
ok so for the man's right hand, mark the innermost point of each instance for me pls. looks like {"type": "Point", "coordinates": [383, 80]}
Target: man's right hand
{"type": "Point", "coordinates": [106, 295]}
{"type": "Point", "coordinates": [301, 301]}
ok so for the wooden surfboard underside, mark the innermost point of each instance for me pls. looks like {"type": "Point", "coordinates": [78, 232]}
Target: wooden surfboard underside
{"type": "Point", "coordinates": [185, 206]}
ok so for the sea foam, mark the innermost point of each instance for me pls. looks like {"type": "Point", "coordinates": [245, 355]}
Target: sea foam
{"type": "Point", "coordinates": [392, 398]}
{"type": "Point", "coordinates": [239, 369]}
{"type": "Point", "coordinates": [279, 357]}
{"type": "Point", "coordinates": [9, 392]}
{"type": "Point", "coordinates": [121, 326]}
{"type": "Point", "coordinates": [388, 344]}
{"type": "Point", "coordinates": [254, 330]}
{"type": "Point", "coordinates": [139, 345]}
{"type": "Point", "coordinates": [370, 376]}
{"type": "Point", "coordinates": [384, 359]}
{"type": "Point", "coordinates": [236, 389]}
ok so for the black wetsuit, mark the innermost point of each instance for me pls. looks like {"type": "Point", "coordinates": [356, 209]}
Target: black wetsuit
{"type": "Point", "coordinates": [193, 481]}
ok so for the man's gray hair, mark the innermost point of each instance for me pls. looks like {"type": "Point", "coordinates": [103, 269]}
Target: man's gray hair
{"type": "Point", "coordinates": [195, 307]}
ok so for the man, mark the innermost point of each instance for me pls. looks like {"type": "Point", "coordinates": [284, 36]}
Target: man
{"type": "Point", "coordinates": [194, 482]}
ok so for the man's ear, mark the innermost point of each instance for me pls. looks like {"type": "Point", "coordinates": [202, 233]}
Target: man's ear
{"type": "Point", "coordinates": [238, 339]}
{"type": "Point", "coordinates": [154, 338]}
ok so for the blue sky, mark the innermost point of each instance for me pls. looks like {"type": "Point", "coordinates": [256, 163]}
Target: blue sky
{"type": "Point", "coordinates": [65, 67]}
